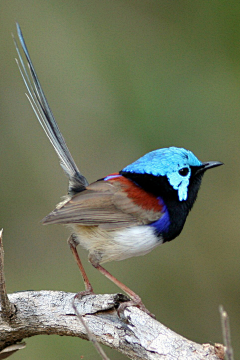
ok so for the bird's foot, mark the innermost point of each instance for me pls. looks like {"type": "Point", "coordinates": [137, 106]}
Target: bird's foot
{"type": "Point", "coordinates": [136, 301]}
{"type": "Point", "coordinates": [79, 297]}
{"type": "Point", "coordinates": [81, 294]}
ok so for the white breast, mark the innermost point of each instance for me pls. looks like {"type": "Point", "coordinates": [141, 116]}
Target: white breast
{"type": "Point", "coordinates": [104, 245]}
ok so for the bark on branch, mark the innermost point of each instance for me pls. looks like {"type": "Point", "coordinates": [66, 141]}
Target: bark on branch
{"type": "Point", "coordinates": [138, 335]}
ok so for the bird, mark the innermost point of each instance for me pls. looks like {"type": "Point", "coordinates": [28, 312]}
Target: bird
{"type": "Point", "coordinates": [127, 213]}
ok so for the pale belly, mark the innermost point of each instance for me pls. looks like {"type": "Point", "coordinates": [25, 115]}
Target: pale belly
{"type": "Point", "coordinates": [108, 245]}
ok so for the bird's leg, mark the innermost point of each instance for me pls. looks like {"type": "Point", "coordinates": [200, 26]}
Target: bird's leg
{"type": "Point", "coordinates": [136, 300]}
{"type": "Point", "coordinates": [88, 287]}
{"type": "Point", "coordinates": [88, 290]}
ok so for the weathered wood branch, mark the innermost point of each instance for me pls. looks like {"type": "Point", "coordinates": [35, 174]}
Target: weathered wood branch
{"type": "Point", "coordinates": [138, 335]}
{"type": "Point", "coordinates": [6, 307]}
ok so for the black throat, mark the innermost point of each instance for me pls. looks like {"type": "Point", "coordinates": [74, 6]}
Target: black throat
{"type": "Point", "coordinates": [178, 210]}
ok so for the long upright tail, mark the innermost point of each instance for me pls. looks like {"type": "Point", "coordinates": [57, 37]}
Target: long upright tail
{"type": "Point", "coordinates": [38, 101]}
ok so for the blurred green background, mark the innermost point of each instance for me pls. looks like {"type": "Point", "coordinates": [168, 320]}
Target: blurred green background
{"type": "Point", "coordinates": [124, 78]}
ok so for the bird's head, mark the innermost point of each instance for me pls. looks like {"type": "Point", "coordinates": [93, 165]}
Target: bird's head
{"type": "Point", "coordinates": [179, 166]}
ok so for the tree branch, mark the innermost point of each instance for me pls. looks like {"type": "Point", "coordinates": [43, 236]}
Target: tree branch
{"type": "Point", "coordinates": [138, 335]}
{"type": "Point", "coordinates": [226, 333]}
{"type": "Point", "coordinates": [6, 309]}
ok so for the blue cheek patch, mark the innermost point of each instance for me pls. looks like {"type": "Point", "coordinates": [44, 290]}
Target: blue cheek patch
{"type": "Point", "coordinates": [180, 183]}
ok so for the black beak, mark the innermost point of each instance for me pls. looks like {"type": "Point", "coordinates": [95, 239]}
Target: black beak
{"type": "Point", "coordinates": [208, 165]}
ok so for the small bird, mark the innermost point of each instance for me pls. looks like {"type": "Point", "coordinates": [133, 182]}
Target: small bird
{"type": "Point", "coordinates": [127, 213]}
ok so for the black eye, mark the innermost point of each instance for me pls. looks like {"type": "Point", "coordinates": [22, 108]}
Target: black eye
{"type": "Point", "coordinates": [184, 171]}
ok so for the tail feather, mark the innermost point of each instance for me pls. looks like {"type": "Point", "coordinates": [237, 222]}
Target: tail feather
{"type": "Point", "coordinates": [38, 101]}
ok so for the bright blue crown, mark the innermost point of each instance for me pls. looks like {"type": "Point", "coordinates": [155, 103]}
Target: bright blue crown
{"type": "Point", "coordinates": [167, 162]}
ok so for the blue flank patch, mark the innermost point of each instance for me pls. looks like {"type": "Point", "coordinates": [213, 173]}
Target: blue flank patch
{"type": "Point", "coordinates": [162, 224]}
{"type": "Point", "coordinates": [109, 177]}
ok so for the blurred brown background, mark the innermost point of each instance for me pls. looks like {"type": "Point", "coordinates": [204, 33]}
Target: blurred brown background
{"type": "Point", "coordinates": [124, 78]}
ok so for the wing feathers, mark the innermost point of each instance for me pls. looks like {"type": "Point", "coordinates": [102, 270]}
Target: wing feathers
{"type": "Point", "coordinates": [106, 204]}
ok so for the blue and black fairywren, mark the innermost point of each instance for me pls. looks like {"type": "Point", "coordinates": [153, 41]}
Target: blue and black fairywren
{"type": "Point", "coordinates": [127, 213]}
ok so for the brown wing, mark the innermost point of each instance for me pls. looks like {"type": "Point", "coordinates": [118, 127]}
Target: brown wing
{"type": "Point", "coordinates": [108, 204]}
